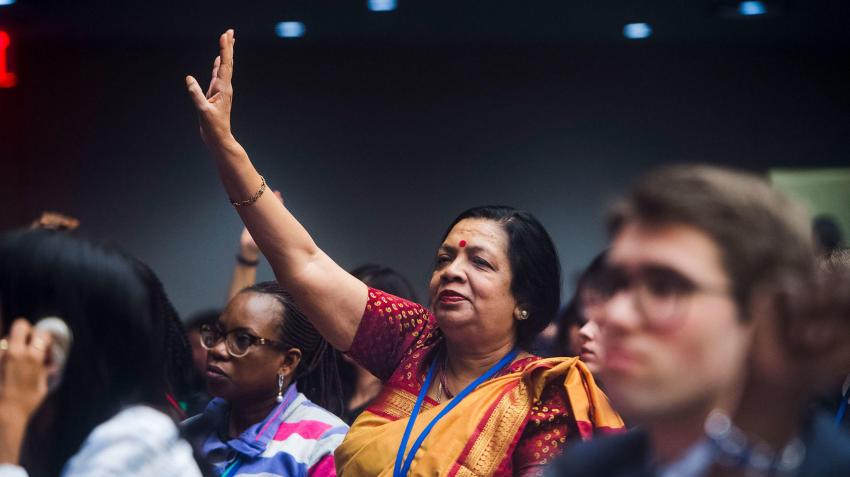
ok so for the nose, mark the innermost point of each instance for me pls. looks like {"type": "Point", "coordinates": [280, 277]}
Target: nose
{"type": "Point", "coordinates": [620, 314]}
{"type": "Point", "coordinates": [586, 332]}
{"type": "Point", "coordinates": [218, 352]}
{"type": "Point", "coordinates": [452, 271]}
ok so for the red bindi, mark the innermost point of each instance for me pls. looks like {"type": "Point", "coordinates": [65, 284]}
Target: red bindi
{"type": "Point", "coordinates": [462, 243]}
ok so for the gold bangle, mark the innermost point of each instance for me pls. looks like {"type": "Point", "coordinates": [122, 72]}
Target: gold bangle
{"type": "Point", "coordinates": [252, 199]}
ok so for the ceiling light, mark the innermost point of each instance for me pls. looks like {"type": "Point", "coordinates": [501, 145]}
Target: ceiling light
{"type": "Point", "coordinates": [290, 29]}
{"type": "Point", "coordinates": [637, 31]}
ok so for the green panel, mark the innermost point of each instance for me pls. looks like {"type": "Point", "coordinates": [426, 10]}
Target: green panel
{"type": "Point", "coordinates": [824, 191]}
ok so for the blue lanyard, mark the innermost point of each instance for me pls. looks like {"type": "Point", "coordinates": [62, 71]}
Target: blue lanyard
{"type": "Point", "coordinates": [402, 470]}
{"type": "Point", "coordinates": [232, 468]}
{"type": "Point", "coordinates": [842, 408]}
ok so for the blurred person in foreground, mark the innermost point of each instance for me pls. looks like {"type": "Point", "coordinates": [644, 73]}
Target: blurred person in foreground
{"type": "Point", "coordinates": [692, 250]}
{"type": "Point", "coordinates": [276, 388]}
{"type": "Point", "coordinates": [105, 413]}
{"type": "Point", "coordinates": [488, 405]}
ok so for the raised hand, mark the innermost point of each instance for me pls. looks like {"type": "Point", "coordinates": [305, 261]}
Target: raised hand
{"type": "Point", "coordinates": [214, 106]}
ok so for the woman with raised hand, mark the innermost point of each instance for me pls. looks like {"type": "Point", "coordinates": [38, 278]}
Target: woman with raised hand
{"type": "Point", "coordinates": [461, 393]}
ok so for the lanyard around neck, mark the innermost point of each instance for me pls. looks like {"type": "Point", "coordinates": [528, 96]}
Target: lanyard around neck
{"type": "Point", "coordinates": [402, 463]}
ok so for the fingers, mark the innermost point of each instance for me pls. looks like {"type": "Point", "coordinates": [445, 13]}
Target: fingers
{"type": "Point", "coordinates": [196, 93]}
{"type": "Point", "coordinates": [24, 340]}
{"type": "Point", "coordinates": [225, 43]}
{"type": "Point", "coordinates": [216, 65]}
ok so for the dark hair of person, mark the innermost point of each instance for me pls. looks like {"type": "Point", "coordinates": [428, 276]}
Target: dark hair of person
{"type": "Point", "coordinates": [117, 356]}
{"type": "Point", "coordinates": [759, 232]}
{"type": "Point", "coordinates": [178, 351]}
{"type": "Point", "coordinates": [536, 269]}
{"type": "Point", "coordinates": [317, 373]}
{"type": "Point", "coordinates": [385, 279]}
{"type": "Point", "coordinates": [592, 278]}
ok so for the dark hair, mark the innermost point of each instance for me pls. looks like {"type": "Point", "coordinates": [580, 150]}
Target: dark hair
{"type": "Point", "coordinates": [178, 352]}
{"type": "Point", "coordinates": [536, 269]}
{"type": "Point", "coordinates": [759, 231]}
{"type": "Point", "coordinates": [116, 358]}
{"type": "Point", "coordinates": [317, 373]}
{"type": "Point", "coordinates": [385, 279]}
{"type": "Point", "coordinates": [591, 278]}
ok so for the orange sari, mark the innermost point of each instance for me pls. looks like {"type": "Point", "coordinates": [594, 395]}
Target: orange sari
{"type": "Point", "coordinates": [516, 421]}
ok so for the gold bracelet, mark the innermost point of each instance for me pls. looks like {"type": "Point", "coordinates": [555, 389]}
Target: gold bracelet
{"type": "Point", "coordinates": [252, 199]}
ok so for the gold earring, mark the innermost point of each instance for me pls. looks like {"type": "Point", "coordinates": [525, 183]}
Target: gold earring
{"type": "Point", "coordinates": [523, 314]}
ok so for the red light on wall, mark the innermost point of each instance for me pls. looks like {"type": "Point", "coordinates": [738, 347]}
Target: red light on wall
{"type": "Point", "coordinates": [7, 79]}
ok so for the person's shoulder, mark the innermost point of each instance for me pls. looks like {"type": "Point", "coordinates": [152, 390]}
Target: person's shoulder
{"type": "Point", "coordinates": [138, 440]}
{"type": "Point", "coordinates": [615, 455]}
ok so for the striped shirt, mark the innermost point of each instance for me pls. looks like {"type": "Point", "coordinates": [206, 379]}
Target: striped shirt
{"type": "Point", "coordinates": [297, 438]}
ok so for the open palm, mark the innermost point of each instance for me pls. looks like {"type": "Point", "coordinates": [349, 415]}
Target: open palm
{"type": "Point", "coordinates": [214, 106]}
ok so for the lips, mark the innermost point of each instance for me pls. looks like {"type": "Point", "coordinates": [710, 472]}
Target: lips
{"type": "Point", "coordinates": [450, 297]}
{"type": "Point", "coordinates": [215, 372]}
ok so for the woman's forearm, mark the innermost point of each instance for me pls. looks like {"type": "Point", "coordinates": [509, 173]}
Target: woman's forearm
{"type": "Point", "coordinates": [331, 298]}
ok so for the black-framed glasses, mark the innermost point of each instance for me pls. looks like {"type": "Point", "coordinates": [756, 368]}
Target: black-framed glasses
{"type": "Point", "coordinates": [237, 341]}
{"type": "Point", "coordinates": [661, 293]}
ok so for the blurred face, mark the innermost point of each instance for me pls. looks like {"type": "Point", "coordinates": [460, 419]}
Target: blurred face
{"type": "Point", "coordinates": [470, 288]}
{"type": "Point", "coordinates": [253, 377]}
{"type": "Point", "coordinates": [673, 342]}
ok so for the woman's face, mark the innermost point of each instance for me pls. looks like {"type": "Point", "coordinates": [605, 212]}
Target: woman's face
{"type": "Point", "coordinates": [591, 353]}
{"type": "Point", "coordinates": [470, 288]}
{"type": "Point", "coordinates": [252, 377]}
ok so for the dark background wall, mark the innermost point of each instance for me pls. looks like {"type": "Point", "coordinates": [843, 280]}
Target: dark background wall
{"type": "Point", "coordinates": [377, 140]}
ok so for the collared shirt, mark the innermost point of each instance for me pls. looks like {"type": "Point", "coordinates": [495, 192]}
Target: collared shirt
{"type": "Point", "coordinates": [297, 438]}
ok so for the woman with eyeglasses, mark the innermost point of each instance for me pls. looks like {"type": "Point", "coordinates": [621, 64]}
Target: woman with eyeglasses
{"type": "Point", "coordinates": [275, 382]}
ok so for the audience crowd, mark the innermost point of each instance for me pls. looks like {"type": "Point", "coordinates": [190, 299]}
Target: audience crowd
{"type": "Point", "coordinates": [710, 338]}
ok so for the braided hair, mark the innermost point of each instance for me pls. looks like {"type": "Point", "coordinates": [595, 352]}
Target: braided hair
{"type": "Point", "coordinates": [317, 373]}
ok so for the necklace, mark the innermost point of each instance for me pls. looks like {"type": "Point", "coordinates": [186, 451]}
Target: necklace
{"type": "Point", "coordinates": [444, 388]}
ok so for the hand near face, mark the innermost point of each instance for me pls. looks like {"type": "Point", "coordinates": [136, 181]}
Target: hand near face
{"type": "Point", "coordinates": [214, 106]}
{"type": "Point", "coordinates": [23, 384]}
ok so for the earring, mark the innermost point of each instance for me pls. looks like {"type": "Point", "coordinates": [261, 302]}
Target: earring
{"type": "Point", "coordinates": [280, 387]}
{"type": "Point", "coordinates": [523, 314]}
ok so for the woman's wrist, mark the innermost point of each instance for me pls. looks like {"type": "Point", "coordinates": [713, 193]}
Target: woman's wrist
{"type": "Point", "coordinates": [13, 426]}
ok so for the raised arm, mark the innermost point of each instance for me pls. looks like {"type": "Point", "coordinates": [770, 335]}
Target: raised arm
{"type": "Point", "coordinates": [332, 298]}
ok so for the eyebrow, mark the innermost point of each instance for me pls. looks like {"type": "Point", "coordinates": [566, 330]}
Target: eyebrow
{"type": "Point", "coordinates": [469, 248]}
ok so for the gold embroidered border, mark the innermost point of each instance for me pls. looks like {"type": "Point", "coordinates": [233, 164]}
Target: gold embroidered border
{"type": "Point", "coordinates": [493, 442]}
{"type": "Point", "coordinates": [396, 404]}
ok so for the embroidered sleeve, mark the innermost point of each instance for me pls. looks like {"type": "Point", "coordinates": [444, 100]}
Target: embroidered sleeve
{"type": "Point", "coordinates": [389, 327]}
{"type": "Point", "coordinates": [548, 430]}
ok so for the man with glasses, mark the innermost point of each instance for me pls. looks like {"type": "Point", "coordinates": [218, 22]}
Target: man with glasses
{"type": "Point", "coordinates": [692, 247]}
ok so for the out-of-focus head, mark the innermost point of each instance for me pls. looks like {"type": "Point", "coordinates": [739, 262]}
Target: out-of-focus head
{"type": "Point", "coordinates": [178, 351]}
{"type": "Point", "coordinates": [262, 334]}
{"type": "Point", "coordinates": [385, 279]}
{"type": "Point", "coordinates": [495, 263]}
{"type": "Point", "coordinates": [691, 247]}
{"type": "Point", "coordinates": [586, 305]}
{"type": "Point", "coordinates": [117, 355]}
